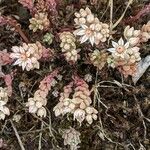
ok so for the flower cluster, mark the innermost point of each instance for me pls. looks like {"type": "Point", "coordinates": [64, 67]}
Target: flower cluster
{"type": "Point", "coordinates": [48, 38]}
{"type": "Point", "coordinates": [124, 57]}
{"type": "Point", "coordinates": [99, 58]}
{"type": "Point", "coordinates": [3, 101]}
{"type": "Point", "coordinates": [68, 46]}
{"type": "Point", "coordinates": [79, 104]}
{"type": "Point", "coordinates": [28, 4]}
{"type": "Point", "coordinates": [27, 55]}
{"type": "Point", "coordinates": [46, 6]}
{"type": "Point", "coordinates": [132, 36]}
{"type": "Point", "coordinates": [145, 32]}
{"type": "Point", "coordinates": [16, 118]}
{"type": "Point", "coordinates": [5, 58]}
{"type": "Point", "coordinates": [51, 5]}
{"type": "Point", "coordinates": [8, 78]}
{"type": "Point", "coordinates": [38, 102]}
{"type": "Point", "coordinates": [72, 138]}
{"type": "Point", "coordinates": [41, 6]}
{"type": "Point", "coordinates": [88, 77]}
{"type": "Point", "coordinates": [39, 21]}
{"type": "Point", "coordinates": [90, 28]}
{"type": "Point", "coordinates": [61, 108]}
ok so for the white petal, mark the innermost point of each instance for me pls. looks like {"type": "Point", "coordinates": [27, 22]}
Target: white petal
{"type": "Point", "coordinates": [112, 50]}
{"type": "Point", "coordinates": [18, 61]}
{"type": "Point", "coordinates": [92, 40]}
{"type": "Point", "coordinates": [22, 50]}
{"type": "Point", "coordinates": [76, 31]}
{"type": "Point", "coordinates": [24, 65]}
{"type": "Point", "coordinates": [84, 39]}
{"type": "Point", "coordinates": [121, 42]}
{"type": "Point", "coordinates": [15, 49]}
{"type": "Point", "coordinates": [114, 44]}
{"type": "Point", "coordinates": [127, 45]}
{"type": "Point", "coordinates": [84, 26]}
{"type": "Point", "coordinates": [80, 32]}
{"type": "Point", "coordinates": [15, 55]}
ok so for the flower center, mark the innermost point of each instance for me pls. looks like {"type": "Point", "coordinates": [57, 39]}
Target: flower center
{"type": "Point", "coordinates": [120, 49]}
{"type": "Point", "coordinates": [24, 56]}
{"type": "Point", "coordinates": [88, 32]}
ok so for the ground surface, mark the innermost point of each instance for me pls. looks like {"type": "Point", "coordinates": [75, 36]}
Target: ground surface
{"type": "Point", "coordinates": [122, 119]}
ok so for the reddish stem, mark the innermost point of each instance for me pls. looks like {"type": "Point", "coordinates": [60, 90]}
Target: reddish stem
{"type": "Point", "coordinates": [7, 20]}
{"type": "Point", "coordinates": [18, 29]}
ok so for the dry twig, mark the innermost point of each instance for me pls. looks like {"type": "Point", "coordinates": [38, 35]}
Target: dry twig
{"type": "Point", "coordinates": [17, 135]}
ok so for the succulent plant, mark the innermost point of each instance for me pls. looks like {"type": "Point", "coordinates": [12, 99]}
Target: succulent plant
{"type": "Point", "coordinates": [68, 46]}
{"type": "Point", "coordinates": [99, 58]}
{"type": "Point", "coordinates": [89, 28]}
{"type": "Point", "coordinates": [4, 110]}
{"type": "Point", "coordinates": [145, 32]}
{"type": "Point", "coordinates": [39, 22]}
{"type": "Point", "coordinates": [27, 55]}
{"type": "Point", "coordinates": [48, 38]}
